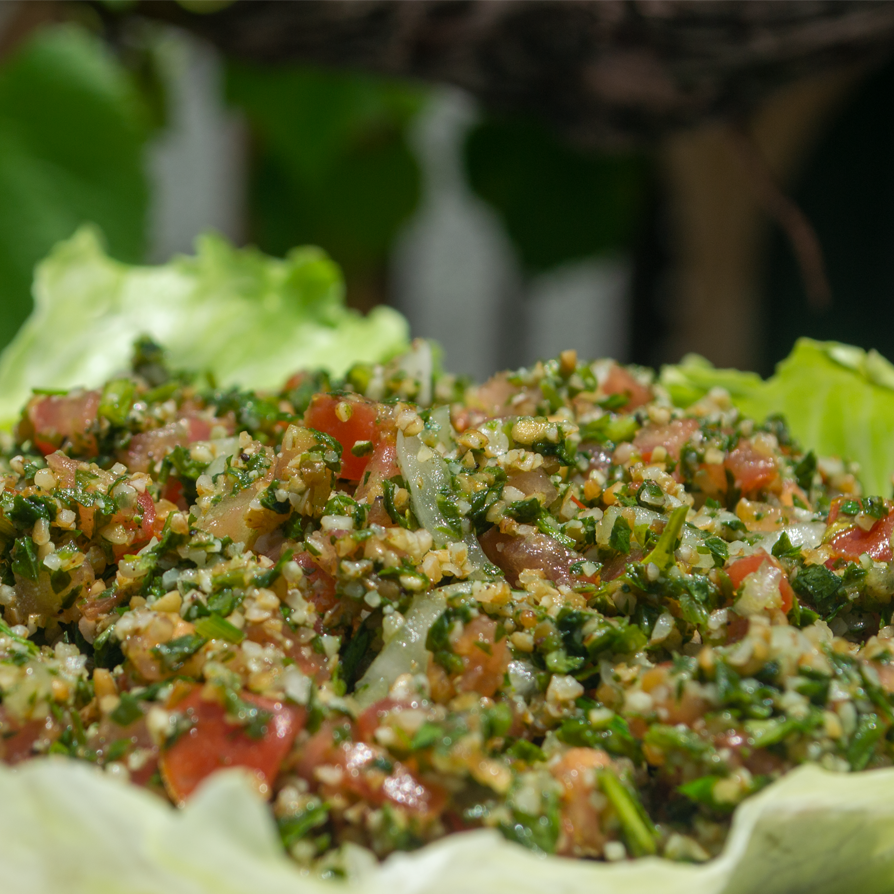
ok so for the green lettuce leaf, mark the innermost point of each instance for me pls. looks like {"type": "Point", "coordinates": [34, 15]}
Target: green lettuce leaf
{"type": "Point", "coordinates": [247, 318]}
{"type": "Point", "coordinates": [66, 826]}
{"type": "Point", "coordinates": [838, 401]}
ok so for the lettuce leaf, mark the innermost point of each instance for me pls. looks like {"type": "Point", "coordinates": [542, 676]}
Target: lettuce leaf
{"type": "Point", "coordinates": [838, 401]}
{"type": "Point", "coordinates": [249, 319]}
{"type": "Point", "coordinates": [66, 826]}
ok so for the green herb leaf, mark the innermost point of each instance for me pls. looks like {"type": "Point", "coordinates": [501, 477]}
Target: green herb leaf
{"type": "Point", "coordinates": [25, 563]}
{"type": "Point", "coordinates": [619, 539]}
{"type": "Point", "coordinates": [216, 627]}
{"type": "Point", "coordinates": [820, 585]}
{"type": "Point", "coordinates": [663, 553]}
{"type": "Point", "coordinates": [639, 832]}
{"type": "Point", "coordinates": [128, 710]}
{"type": "Point", "coordinates": [174, 654]}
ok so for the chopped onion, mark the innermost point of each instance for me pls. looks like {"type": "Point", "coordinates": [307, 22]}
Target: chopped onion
{"type": "Point", "coordinates": [426, 479]}
{"type": "Point", "coordinates": [418, 365]}
{"type": "Point", "coordinates": [805, 534]}
{"type": "Point", "coordinates": [760, 591]}
{"type": "Point", "coordinates": [405, 653]}
{"type": "Point", "coordinates": [223, 449]}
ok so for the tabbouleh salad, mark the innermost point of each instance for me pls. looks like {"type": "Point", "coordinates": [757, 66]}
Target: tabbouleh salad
{"type": "Point", "coordinates": [553, 604]}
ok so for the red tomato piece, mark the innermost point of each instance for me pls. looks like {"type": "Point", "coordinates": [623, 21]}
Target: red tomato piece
{"type": "Point", "coordinates": [620, 381]}
{"type": "Point", "coordinates": [64, 468]}
{"type": "Point", "coordinates": [213, 743]}
{"type": "Point", "coordinates": [853, 542]}
{"type": "Point", "coordinates": [173, 493]}
{"type": "Point", "coordinates": [382, 466]}
{"type": "Point", "coordinates": [515, 553]}
{"type": "Point", "coordinates": [321, 584]}
{"type": "Point", "coordinates": [199, 428]}
{"type": "Point", "coordinates": [741, 568]}
{"type": "Point", "coordinates": [485, 659]}
{"type": "Point", "coordinates": [363, 778]}
{"type": "Point", "coordinates": [752, 470]}
{"type": "Point", "coordinates": [18, 739]}
{"type": "Point", "coordinates": [147, 510]}
{"type": "Point", "coordinates": [371, 719]}
{"type": "Point", "coordinates": [348, 419]}
{"type": "Point", "coordinates": [57, 418]}
{"type": "Point", "coordinates": [671, 437]}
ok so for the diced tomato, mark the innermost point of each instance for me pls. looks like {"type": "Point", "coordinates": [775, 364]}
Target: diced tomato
{"type": "Point", "coordinates": [140, 519]}
{"type": "Point", "coordinates": [173, 493]}
{"type": "Point", "coordinates": [108, 735]}
{"type": "Point", "coordinates": [534, 482]}
{"type": "Point", "coordinates": [581, 832]}
{"type": "Point", "coordinates": [147, 510]}
{"type": "Point", "coordinates": [213, 743]}
{"type": "Point", "coordinates": [18, 739]}
{"type": "Point", "coordinates": [199, 428]}
{"type": "Point", "coordinates": [321, 584]}
{"type": "Point", "coordinates": [751, 469]}
{"type": "Point", "coordinates": [58, 418]}
{"type": "Point", "coordinates": [363, 776]}
{"type": "Point", "coordinates": [293, 644]}
{"type": "Point", "coordinates": [94, 607]}
{"type": "Point", "coordinates": [739, 569]}
{"type": "Point", "coordinates": [514, 553]}
{"type": "Point", "coordinates": [234, 517]}
{"type": "Point", "coordinates": [349, 419]}
{"type": "Point", "coordinates": [620, 381]}
{"type": "Point", "coordinates": [149, 447]}
{"type": "Point", "coordinates": [484, 659]}
{"type": "Point", "coordinates": [64, 468]}
{"type": "Point", "coordinates": [710, 479]}
{"type": "Point", "coordinates": [496, 398]}
{"type": "Point", "coordinates": [679, 704]}
{"type": "Point", "coordinates": [671, 437]}
{"type": "Point", "coordinates": [854, 541]}
{"type": "Point", "coordinates": [382, 466]}
{"type": "Point", "coordinates": [371, 719]}
{"type": "Point", "coordinates": [493, 397]}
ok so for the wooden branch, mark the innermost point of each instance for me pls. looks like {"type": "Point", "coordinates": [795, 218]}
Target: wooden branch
{"type": "Point", "coordinates": [615, 71]}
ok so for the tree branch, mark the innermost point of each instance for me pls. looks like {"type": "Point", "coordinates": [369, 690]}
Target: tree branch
{"type": "Point", "coordinates": [609, 72]}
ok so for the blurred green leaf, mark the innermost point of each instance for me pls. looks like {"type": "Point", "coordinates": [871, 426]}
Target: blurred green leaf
{"type": "Point", "coordinates": [246, 318]}
{"type": "Point", "coordinates": [72, 133]}
{"type": "Point", "coordinates": [558, 204]}
{"type": "Point", "coordinates": [332, 165]}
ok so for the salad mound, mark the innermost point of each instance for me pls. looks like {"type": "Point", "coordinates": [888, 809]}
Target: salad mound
{"type": "Point", "coordinates": [556, 606]}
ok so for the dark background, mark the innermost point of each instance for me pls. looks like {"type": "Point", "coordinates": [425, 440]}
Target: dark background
{"type": "Point", "coordinates": [514, 178]}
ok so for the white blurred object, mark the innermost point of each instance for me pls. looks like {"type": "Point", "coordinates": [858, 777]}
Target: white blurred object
{"type": "Point", "coordinates": [457, 279]}
{"type": "Point", "coordinates": [584, 305]}
{"type": "Point", "coordinates": [453, 260]}
{"type": "Point", "coordinates": [197, 164]}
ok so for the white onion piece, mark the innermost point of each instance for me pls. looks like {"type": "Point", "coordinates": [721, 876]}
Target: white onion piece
{"type": "Point", "coordinates": [522, 678]}
{"type": "Point", "coordinates": [803, 534]}
{"type": "Point", "coordinates": [760, 591]}
{"type": "Point", "coordinates": [405, 653]}
{"type": "Point", "coordinates": [662, 629]}
{"type": "Point", "coordinates": [223, 449]}
{"type": "Point", "coordinates": [441, 415]}
{"type": "Point", "coordinates": [642, 516]}
{"type": "Point", "coordinates": [425, 479]}
{"type": "Point", "coordinates": [418, 365]}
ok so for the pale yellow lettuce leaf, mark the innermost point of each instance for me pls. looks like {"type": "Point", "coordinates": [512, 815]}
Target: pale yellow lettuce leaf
{"type": "Point", "coordinates": [67, 827]}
